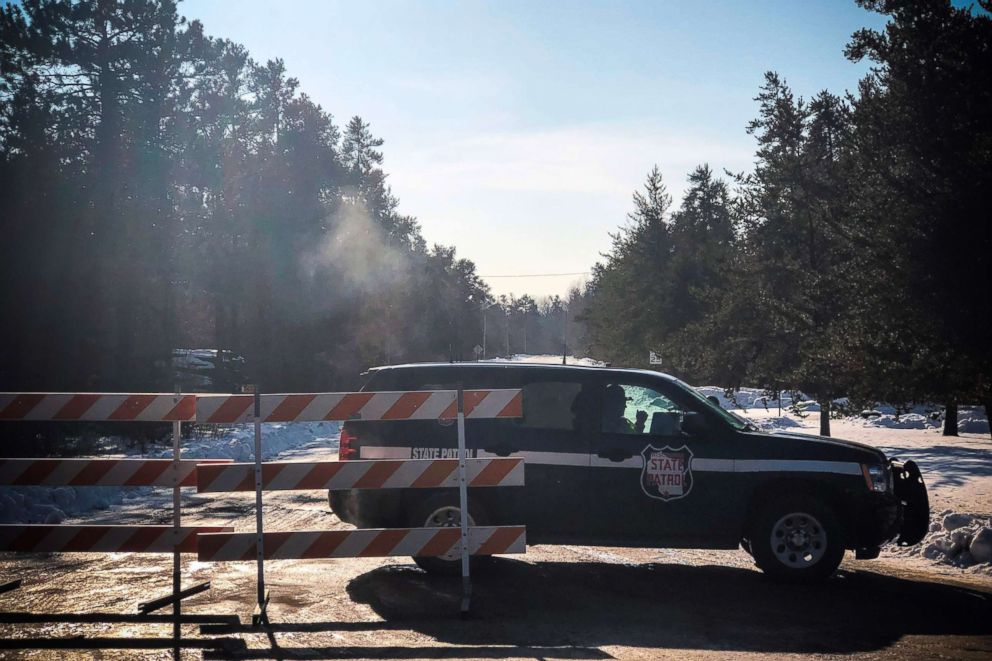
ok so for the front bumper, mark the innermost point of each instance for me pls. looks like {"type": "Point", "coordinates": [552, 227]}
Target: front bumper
{"type": "Point", "coordinates": [901, 515]}
{"type": "Point", "coordinates": [914, 503]}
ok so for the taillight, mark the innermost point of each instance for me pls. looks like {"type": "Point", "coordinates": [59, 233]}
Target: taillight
{"type": "Point", "coordinates": [346, 450]}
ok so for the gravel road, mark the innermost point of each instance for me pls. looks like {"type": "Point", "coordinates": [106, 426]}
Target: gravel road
{"type": "Point", "coordinates": [553, 603]}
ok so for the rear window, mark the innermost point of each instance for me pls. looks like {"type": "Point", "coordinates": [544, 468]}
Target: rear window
{"type": "Point", "coordinates": [550, 405]}
{"type": "Point", "coordinates": [547, 404]}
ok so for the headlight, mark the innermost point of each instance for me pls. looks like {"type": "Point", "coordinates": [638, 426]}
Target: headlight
{"type": "Point", "coordinates": [876, 477]}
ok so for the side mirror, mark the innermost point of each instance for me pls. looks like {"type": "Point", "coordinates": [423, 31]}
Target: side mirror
{"type": "Point", "coordinates": [694, 424]}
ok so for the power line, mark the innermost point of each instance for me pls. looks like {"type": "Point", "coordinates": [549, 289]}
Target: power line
{"type": "Point", "coordinates": [534, 275]}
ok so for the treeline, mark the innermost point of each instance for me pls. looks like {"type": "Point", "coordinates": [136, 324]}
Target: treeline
{"type": "Point", "coordinates": [161, 189]}
{"type": "Point", "coordinates": [854, 259]}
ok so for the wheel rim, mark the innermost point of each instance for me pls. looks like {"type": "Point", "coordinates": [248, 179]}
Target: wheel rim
{"type": "Point", "coordinates": [448, 516]}
{"type": "Point", "coordinates": [798, 540]}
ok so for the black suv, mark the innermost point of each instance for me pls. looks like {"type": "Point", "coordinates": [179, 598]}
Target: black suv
{"type": "Point", "coordinates": [618, 457]}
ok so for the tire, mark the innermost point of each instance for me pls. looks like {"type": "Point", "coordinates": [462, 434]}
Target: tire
{"type": "Point", "coordinates": [796, 540]}
{"type": "Point", "coordinates": [443, 510]}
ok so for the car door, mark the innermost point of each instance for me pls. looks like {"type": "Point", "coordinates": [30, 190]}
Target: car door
{"type": "Point", "coordinates": [554, 438]}
{"type": "Point", "coordinates": [651, 481]}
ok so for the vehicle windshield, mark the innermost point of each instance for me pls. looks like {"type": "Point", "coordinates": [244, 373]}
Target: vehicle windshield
{"type": "Point", "coordinates": [735, 421]}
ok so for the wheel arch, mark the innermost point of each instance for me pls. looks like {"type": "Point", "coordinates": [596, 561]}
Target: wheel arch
{"type": "Point", "coordinates": [828, 494]}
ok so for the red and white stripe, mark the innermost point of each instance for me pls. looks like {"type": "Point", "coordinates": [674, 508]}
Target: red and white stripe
{"type": "Point", "coordinates": [101, 539]}
{"type": "Point", "coordinates": [100, 472]}
{"type": "Point", "coordinates": [148, 407]}
{"type": "Point", "coordinates": [413, 405]}
{"type": "Point", "coordinates": [368, 543]}
{"type": "Point", "coordinates": [385, 474]}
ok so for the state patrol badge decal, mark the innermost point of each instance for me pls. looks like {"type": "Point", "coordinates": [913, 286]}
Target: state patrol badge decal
{"type": "Point", "coordinates": [667, 472]}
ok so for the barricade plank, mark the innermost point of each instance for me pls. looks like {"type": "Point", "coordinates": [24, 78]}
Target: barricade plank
{"type": "Point", "coordinates": [100, 407]}
{"type": "Point", "coordinates": [101, 472]}
{"type": "Point", "coordinates": [412, 405]}
{"type": "Point", "coordinates": [368, 474]}
{"type": "Point", "coordinates": [372, 542]}
{"type": "Point", "coordinates": [101, 539]}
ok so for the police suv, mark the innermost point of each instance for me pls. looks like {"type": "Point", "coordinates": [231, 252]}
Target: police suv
{"type": "Point", "coordinates": [618, 457]}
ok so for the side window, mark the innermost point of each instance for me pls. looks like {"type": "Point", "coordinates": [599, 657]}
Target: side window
{"type": "Point", "coordinates": [631, 409]}
{"type": "Point", "coordinates": [550, 405]}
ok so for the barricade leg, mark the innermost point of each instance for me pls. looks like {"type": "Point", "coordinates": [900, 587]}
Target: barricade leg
{"type": "Point", "coordinates": [178, 593]}
{"type": "Point", "coordinates": [177, 608]}
{"type": "Point", "coordinates": [463, 505]}
{"type": "Point", "coordinates": [262, 596]}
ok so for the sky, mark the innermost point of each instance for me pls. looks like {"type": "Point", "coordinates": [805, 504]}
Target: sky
{"type": "Point", "coordinates": [518, 131]}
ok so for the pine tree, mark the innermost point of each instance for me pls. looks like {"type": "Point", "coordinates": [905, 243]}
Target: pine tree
{"type": "Point", "coordinates": [628, 294]}
{"type": "Point", "coordinates": [923, 120]}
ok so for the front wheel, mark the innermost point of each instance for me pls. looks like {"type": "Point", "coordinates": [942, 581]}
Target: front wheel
{"type": "Point", "coordinates": [444, 512]}
{"type": "Point", "coordinates": [797, 540]}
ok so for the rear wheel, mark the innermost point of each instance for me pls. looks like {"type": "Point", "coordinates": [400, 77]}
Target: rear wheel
{"type": "Point", "coordinates": [797, 540]}
{"type": "Point", "coordinates": [444, 511]}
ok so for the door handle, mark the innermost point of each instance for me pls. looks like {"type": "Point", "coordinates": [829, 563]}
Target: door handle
{"type": "Point", "coordinates": [500, 450]}
{"type": "Point", "coordinates": [615, 454]}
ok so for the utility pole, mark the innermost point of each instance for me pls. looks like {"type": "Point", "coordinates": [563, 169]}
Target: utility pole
{"type": "Point", "coordinates": [507, 333]}
{"type": "Point", "coordinates": [564, 335]}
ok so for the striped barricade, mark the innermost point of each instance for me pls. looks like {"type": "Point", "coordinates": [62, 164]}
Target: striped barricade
{"type": "Point", "coordinates": [376, 474]}
{"type": "Point", "coordinates": [413, 405]}
{"type": "Point", "coordinates": [101, 472]}
{"type": "Point", "coordinates": [365, 543]}
{"type": "Point", "coordinates": [102, 539]}
{"type": "Point", "coordinates": [97, 407]}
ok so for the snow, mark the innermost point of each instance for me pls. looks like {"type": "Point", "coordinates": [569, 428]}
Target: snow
{"type": "Point", "coordinates": [972, 420]}
{"type": "Point", "coordinates": [55, 504]}
{"type": "Point", "coordinates": [907, 421]}
{"type": "Point", "coordinates": [238, 443]}
{"type": "Point", "coordinates": [546, 359]}
{"type": "Point", "coordinates": [199, 359]}
{"type": "Point", "coordinates": [744, 399]}
{"type": "Point", "coordinates": [959, 540]}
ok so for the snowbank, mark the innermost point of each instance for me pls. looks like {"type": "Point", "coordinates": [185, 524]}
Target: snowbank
{"type": "Point", "coordinates": [777, 423]}
{"type": "Point", "coordinates": [906, 421]}
{"type": "Point", "coordinates": [54, 504]}
{"type": "Point", "coordinates": [755, 398]}
{"type": "Point", "coordinates": [238, 443]}
{"type": "Point", "coordinates": [972, 420]}
{"type": "Point", "coordinates": [958, 539]}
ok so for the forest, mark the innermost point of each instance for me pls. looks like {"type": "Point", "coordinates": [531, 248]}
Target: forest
{"type": "Point", "coordinates": [162, 189]}
{"type": "Point", "coordinates": [853, 260]}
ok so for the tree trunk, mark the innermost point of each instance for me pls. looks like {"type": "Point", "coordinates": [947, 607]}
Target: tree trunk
{"type": "Point", "coordinates": [988, 414]}
{"type": "Point", "coordinates": [951, 419]}
{"type": "Point", "coordinates": [825, 417]}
